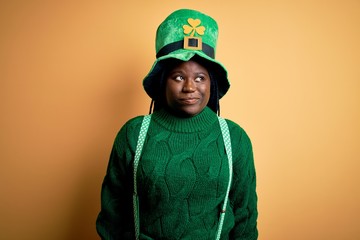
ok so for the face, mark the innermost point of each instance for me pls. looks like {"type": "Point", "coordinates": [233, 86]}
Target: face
{"type": "Point", "coordinates": [187, 89]}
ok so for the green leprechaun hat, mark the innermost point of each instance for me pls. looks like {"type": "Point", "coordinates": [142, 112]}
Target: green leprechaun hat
{"type": "Point", "coordinates": [182, 35]}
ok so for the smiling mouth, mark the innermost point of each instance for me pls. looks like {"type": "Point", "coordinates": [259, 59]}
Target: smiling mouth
{"type": "Point", "coordinates": [189, 101]}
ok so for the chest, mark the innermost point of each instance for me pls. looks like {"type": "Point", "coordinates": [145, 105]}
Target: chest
{"type": "Point", "coordinates": [183, 165]}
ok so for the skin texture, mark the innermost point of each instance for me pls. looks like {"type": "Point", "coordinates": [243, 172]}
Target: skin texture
{"type": "Point", "coordinates": [187, 90]}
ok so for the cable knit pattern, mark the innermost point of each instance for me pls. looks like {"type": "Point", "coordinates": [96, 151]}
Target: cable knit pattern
{"type": "Point", "coordinates": [182, 180]}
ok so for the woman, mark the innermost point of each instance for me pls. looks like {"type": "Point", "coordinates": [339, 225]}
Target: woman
{"type": "Point", "coordinates": [181, 172]}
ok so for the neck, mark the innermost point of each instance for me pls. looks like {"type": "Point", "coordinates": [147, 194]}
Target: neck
{"type": "Point", "coordinates": [176, 123]}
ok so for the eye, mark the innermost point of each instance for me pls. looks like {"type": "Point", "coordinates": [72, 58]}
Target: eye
{"type": "Point", "coordinates": [178, 78]}
{"type": "Point", "coordinates": [200, 78]}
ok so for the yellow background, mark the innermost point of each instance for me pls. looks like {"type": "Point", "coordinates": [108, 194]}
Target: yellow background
{"type": "Point", "coordinates": [70, 76]}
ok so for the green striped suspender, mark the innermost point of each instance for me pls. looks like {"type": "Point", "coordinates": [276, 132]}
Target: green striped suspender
{"type": "Point", "coordinates": [227, 141]}
{"type": "Point", "coordinates": [140, 143]}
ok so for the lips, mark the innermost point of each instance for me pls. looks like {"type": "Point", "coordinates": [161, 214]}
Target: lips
{"type": "Point", "coordinates": [189, 101]}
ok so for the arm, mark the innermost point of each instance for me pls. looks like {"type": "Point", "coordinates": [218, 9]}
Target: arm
{"type": "Point", "coordinates": [243, 193]}
{"type": "Point", "coordinates": [115, 220]}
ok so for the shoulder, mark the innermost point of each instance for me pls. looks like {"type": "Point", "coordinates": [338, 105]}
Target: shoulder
{"type": "Point", "coordinates": [243, 158]}
{"type": "Point", "coordinates": [237, 132]}
{"type": "Point", "coordinates": [130, 130]}
{"type": "Point", "coordinates": [134, 122]}
{"type": "Point", "coordinates": [240, 141]}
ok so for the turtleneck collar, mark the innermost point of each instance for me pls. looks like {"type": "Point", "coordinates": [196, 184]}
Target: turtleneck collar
{"type": "Point", "coordinates": [174, 123]}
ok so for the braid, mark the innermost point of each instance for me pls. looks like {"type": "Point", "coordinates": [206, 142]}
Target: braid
{"type": "Point", "coordinates": [213, 103]}
{"type": "Point", "coordinates": [151, 106]}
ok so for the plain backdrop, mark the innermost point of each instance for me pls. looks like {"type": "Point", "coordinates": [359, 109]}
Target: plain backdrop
{"type": "Point", "coordinates": [71, 75]}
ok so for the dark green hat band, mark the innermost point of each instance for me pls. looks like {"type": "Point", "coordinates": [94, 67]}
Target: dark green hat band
{"type": "Point", "coordinates": [193, 42]}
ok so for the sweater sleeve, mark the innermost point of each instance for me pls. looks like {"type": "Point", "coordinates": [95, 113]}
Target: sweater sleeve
{"type": "Point", "coordinates": [243, 196]}
{"type": "Point", "coordinates": [115, 220]}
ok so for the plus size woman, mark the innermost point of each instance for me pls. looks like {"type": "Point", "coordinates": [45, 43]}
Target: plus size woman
{"type": "Point", "coordinates": [181, 172]}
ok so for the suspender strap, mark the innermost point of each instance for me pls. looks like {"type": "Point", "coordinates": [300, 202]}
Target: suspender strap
{"type": "Point", "coordinates": [143, 130]}
{"type": "Point", "coordinates": [227, 141]}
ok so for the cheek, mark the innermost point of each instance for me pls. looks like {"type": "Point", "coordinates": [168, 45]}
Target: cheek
{"type": "Point", "coordinates": [167, 96]}
{"type": "Point", "coordinates": [206, 91]}
{"type": "Point", "coordinates": [170, 92]}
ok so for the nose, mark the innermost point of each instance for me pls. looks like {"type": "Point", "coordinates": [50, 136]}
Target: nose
{"type": "Point", "coordinates": [189, 85]}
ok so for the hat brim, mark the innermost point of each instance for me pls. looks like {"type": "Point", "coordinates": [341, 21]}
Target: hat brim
{"type": "Point", "coordinates": [151, 82]}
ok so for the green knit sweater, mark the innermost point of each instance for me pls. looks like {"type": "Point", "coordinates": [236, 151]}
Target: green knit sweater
{"type": "Point", "coordinates": [182, 179]}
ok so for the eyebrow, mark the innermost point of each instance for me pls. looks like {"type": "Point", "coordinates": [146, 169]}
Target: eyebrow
{"type": "Point", "coordinates": [182, 72]}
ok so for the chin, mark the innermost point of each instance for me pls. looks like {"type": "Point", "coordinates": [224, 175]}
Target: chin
{"type": "Point", "coordinates": [189, 112]}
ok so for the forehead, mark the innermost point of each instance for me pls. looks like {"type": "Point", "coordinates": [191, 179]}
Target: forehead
{"type": "Point", "coordinates": [189, 66]}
